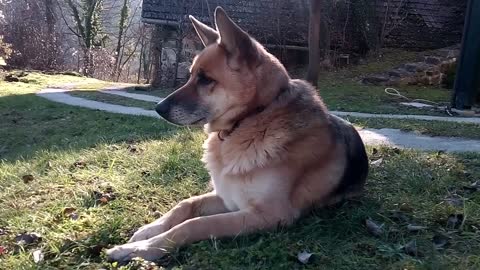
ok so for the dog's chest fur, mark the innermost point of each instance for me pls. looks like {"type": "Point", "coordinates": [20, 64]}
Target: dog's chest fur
{"type": "Point", "coordinates": [239, 174]}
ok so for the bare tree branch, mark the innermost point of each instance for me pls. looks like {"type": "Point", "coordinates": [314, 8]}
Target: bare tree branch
{"type": "Point", "coordinates": [66, 22]}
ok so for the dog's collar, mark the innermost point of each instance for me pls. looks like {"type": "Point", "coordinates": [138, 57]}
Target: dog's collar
{"type": "Point", "coordinates": [222, 134]}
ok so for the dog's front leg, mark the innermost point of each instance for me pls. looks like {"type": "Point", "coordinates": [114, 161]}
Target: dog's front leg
{"type": "Point", "coordinates": [196, 229]}
{"type": "Point", "coordinates": [204, 205]}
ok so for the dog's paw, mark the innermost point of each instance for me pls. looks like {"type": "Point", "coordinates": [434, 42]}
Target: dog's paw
{"type": "Point", "coordinates": [127, 252]}
{"type": "Point", "coordinates": [146, 232]}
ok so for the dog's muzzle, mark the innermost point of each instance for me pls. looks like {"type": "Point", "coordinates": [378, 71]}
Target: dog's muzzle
{"type": "Point", "coordinates": [163, 108]}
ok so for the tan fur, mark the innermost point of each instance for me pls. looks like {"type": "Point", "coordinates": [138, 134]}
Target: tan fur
{"type": "Point", "coordinates": [267, 166]}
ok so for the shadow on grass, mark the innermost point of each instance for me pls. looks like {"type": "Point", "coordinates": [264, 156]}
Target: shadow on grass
{"type": "Point", "coordinates": [30, 124]}
{"type": "Point", "coordinates": [113, 99]}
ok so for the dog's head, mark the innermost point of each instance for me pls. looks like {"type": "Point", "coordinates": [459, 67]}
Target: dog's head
{"type": "Point", "coordinates": [231, 77]}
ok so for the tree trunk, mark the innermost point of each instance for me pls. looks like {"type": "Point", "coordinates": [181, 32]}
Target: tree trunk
{"type": "Point", "coordinates": [121, 31]}
{"type": "Point", "coordinates": [156, 48]}
{"type": "Point", "coordinates": [314, 42]}
{"type": "Point", "coordinates": [140, 62]}
{"type": "Point", "coordinates": [88, 66]}
{"type": "Point", "coordinates": [51, 38]}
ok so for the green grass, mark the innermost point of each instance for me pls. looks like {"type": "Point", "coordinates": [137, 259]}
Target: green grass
{"type": "Point", "coordinates": [343, 91]}
{"type": "Point", "coordinates": [160, 92]}
{"type": "Point", "coordinates": [430, 128]}
{"type": "Point", "coordinates": [354, 97]}
{"type": "Point", "coordinates": [150, 166]}
{"type": "Point", "coordinates": [112, 99]}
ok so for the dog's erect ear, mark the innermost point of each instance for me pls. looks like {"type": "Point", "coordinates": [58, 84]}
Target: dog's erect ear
{"type": "Point", "coordinates": [207, 34]}
{"type": "Point", "coordinates": [234, 40]}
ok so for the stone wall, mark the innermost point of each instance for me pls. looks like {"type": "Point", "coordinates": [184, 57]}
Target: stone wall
{"type": "Point", "coordinates": [431, 69]}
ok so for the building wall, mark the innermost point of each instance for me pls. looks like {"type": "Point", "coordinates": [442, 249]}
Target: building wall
{"type": "Point", "coordinates": [270, 21]}
{"type": "Point", "coordinates": [422, 24]}
{"type": "Point", "coordinates": [411, 24]}
{"type": "Point", "coordinates": [428, 24]}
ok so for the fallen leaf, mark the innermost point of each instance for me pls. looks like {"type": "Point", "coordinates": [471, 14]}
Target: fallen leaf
{"type": "Point", "coordinates": [400, 217]}
{"type": "Point", "coordinates": [132, 148]}
{"type": "Point", "coordinates": [73, 216]}
{"type": "Point", "coordinates": [109, 196]}
{"type": "Point", "coordinates": [454, 221]}
{"type": "Point", "coordinates": [109, 189]}
{"type": "Point", "coordinates": [473, 187]}
{"type": "Point", "coordinates": [377, 162]}
{"type": "Point", "coordinates": [304, 257]}
{"type": "Point", "coordinates": [440, 241]}
{"type": "Point", "coordinates": [139, 263]}
{"type": "Point", "coordinates": [103, 200]}
{"type": "Point", "coordinates": [80, 164]}
{"type": "Point", "coordinates": [95, 250]}
{"type": "Point", "coordinates": [27, 238]}
{"type": "Point", "coordinates": [3, 250]}
{"type": "Point", "coordinates": [373, 228]}
{"type": "Point", "coordinates": [114, 147]}
{"type": "Point", "coordinates": [476, 185]}
{"type": "Point", "coordinates": [27, 178]}
{"type": "Point", "coordinates": [157, 214]}
{"type": "Point", "coordinates": [406, 207]}
{"type": "Point", "coordinates": [411, 248]}
{"type": "Point", "coordinates": [68, 210]}
{"type": "Point", "coordinates": [38, 256]}
{"type": "Point", "coordinates": [455, 200]}
{"type": "Point", "coordinates": [97, 195]}
{"type": "Point", "coordinates": [415, 228]}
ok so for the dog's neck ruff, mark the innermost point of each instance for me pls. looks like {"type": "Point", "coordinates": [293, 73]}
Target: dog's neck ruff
{"type": "Point", "coordinates": [222, 134]}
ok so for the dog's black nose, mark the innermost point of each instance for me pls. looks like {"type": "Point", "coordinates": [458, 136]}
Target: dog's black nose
{"type": "Point", "coordinates": [163, 108]}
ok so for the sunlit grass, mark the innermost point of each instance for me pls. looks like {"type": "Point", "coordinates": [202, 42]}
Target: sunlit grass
{"type": "Point", "coordinates": [149, 166]}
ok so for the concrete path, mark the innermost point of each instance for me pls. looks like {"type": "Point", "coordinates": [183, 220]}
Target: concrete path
{"type": "Point", "coordinates": [155, 99]}
{"type": "Point", "coordinates": [414, 117]}
{"type": "Point", "coordinates": [387, 137]}
{"type": "Point", "coordinates": [59, 95]}
{"type": "Point", "coordinates": [148, 98]}
{"type": "Point", "coordinates": [401, 139]}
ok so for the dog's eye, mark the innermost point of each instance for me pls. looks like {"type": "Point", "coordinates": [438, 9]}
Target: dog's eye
{"type": "Point", "coordinates": [203, 79]}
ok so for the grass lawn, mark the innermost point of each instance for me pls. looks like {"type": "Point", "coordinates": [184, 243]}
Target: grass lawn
{"type": "Point", "coordinates": [84, 180]}
{"type": "Point", "coordinates": [113, 99]}
{"type": "Point", "coordinates": [154, 92]}
{"type": "Point", "coordinates": [342, 90]}
{"type": "Point", "coordinates": [430, 128]}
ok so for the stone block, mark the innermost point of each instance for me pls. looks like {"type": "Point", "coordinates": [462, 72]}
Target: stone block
{"type": "Point", "coordinates": [433, 60]}
{"type": "Point", "coordinates": [433, 72]}
{"type": "Point", "coordinates": [375, 80]}
{"type": "Point", "coordinates": [411, 67]}
{"type": "Point", "coordinates": [183, 70]}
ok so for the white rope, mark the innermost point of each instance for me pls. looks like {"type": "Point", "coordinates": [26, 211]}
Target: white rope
{"type": "Point", "coordinates": [396, 93]}
{"type": "Point", "coordinates": [439, 106]}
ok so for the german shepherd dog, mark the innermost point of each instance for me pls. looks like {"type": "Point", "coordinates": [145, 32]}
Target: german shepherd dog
{"type": "Point", "coordinates": [273, 151]}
